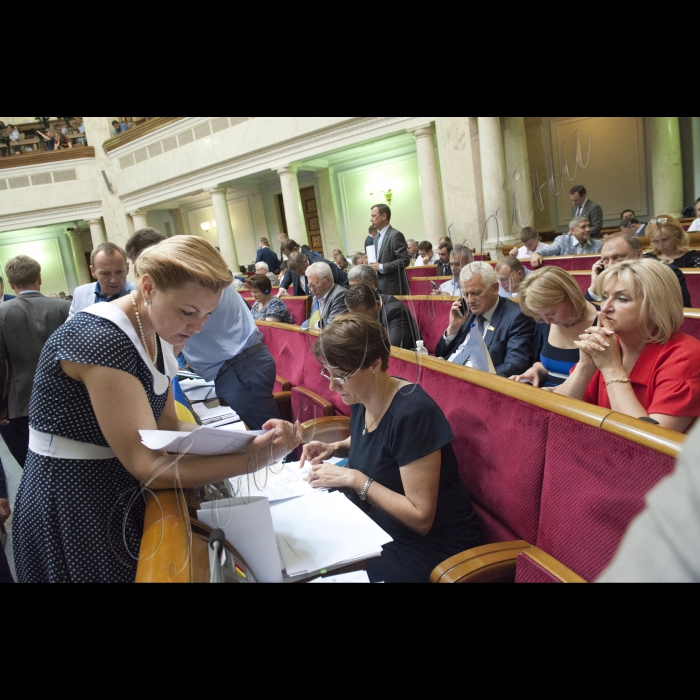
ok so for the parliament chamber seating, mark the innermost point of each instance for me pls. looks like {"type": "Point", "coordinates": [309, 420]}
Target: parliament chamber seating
{"type": "Point", "coordinates": [421, 271]}
{"type": "Point", "coordinates": [432, 314]}
{"type": "Point", "coordinates": [555, 482]}
{"type": "Point", "coordinates": [421, 286]}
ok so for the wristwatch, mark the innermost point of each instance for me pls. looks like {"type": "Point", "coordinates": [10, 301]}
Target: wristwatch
{"type": "Point", "coordinates": [363, 495]}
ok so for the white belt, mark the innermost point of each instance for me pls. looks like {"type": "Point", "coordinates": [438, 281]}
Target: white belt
{"type": "Point", "coordinates": [63, 448]}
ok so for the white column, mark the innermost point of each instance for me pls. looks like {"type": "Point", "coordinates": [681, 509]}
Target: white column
{"type": "Point", "coordinates": [433, 211]}
{"type": "Point", "coordinates": [493, 175]}
{"type": "Point", "coordinates": [140, 219]}
{"type": "Point", "coordinates": [666, 165]}
{"type": "Point", "coordinates": [518, 173]}
{"type": "Point", "coordinates": [97, 231]}
{"type": "Point", "coordinates": [81, 266]}
{"type": "Point", "coordinates": [296, 223]}
{"type": "Point", "coordinates": [227, 244]}
{"type": "Point", "coordinates": [329, 214]}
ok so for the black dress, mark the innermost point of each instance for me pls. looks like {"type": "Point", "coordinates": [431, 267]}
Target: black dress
{"type": "Point", "coordinates": [81, 520]}
{"type": "Point", "coordinates": [413, 427]}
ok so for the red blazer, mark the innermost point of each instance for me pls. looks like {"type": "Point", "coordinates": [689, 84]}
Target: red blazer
{"type": "Point", "coordinates": [666, 379]}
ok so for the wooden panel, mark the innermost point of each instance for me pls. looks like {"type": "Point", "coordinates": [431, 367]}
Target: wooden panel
{"type": "Point", "coordinates": [493, 563]}
{"type": "Point", "coordinates": [41, 157]}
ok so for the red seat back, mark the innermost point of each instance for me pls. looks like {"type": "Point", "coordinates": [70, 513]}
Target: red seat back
{"type": "Point", "coordinates": [289, 349]}
{"type": "Point", "coordinates": [316, 383]}
{"type": "Point", "coordinates": [529, 571]}
{"type": "Point", "coordinates": [298, 308]}
{"type": "Point", "coordinates": [692, 281]}
{"type": "Point", "coordinates": [592, 490]}
{"type": "Point", "coordinates": [307, 406]}
{"type": "Point", "coordinates": [691, 326]}
{"type": "Point", "coordinates": [429, 271]}
{"type": "Point", "coordinates": [432, 315]}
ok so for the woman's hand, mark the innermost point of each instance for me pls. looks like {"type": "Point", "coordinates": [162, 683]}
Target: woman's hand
{"type": "Point", "coordinates": [601, 345]}
{"type": "Point", "coordinates": [5, 511]}
{"type": "Point", "coordinates": [316, 453]}
{"type": "Point", "coordinates": [276, 445]}
{"type": "Point", "coordinates": [532, 376]}
{"type": "Point", "coordinates": [328, 476]}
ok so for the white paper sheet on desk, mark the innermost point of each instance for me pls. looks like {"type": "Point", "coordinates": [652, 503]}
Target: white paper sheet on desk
{"type": "Point", "coordinates": [203, 441]}
{"type": "Point", "coordinates": [354, 577]}
{"type": "Point", "coordinates": [219, 415]}
{"type": "Point", "coordinates": [283, 481]}
{"type": "Point", "coordinates": [371, 254]}
{"type": "Point", "coordinates": [248, 527]}
{"type": "Point", "coordinates": [188, 385]}
{"type": "Point", "coordinates": [324, 530]}
{"type": "Point", "coordinates": [203, 393]}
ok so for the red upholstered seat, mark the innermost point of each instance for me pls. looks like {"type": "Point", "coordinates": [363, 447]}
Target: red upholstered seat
{"type": "Point", "coordinates": [281, 385]}
{"type": "Point", "coordinates": [584, 279]}
{"type": "Point", "coordinates": [503, 474]}
{"type": "Point", "coordinates": [307, 406]}
{"type": "Point", "coordinates": [298, 308]}
{"type": "Point", "coordinates": [432, 315]}
{"type": "Point", "coordinates": [529, 571]}
{"type": "Point", "coordinates": [265, 330]}
{"type": "Point", "coordinates": [289, 350]}
{"type": "Point", "coordinates": [593, 487]}
{"type": "Point", "coordinates": [429, 271]}
{"type": "Point", "coordinates": [316, 383]}
{"type": "Point", "coordinates": [692, 281]}
{"type": "Point", "coordinates": [691, 326]}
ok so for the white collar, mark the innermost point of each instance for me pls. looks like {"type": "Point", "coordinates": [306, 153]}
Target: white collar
{"type": "Point", "coordinates": [113, 313]}
{"type": "Point", "coordinates": [384, 230]}
{"type": "Point", "coordinates": [489, 314]}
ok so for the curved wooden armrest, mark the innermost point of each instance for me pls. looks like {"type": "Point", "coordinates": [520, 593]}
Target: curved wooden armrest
{"type": "Point", "coordinates": [335, 429]}
{"type": "Point", "coordinates": [493, 563]}
{"type": "Point", "coordinates": [553, 567]}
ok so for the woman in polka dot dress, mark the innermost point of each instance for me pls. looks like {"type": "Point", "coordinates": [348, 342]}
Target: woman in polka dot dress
{"type": "Point", "coordinates": [102, 377]}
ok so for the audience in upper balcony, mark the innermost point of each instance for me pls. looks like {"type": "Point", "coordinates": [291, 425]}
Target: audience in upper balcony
{"type": "Point", "coordinates": [402, 464]}
{"type": "Point", "coordinates": [364, 298]}
{"type": "Point", "coordinates": [443, 268]}
{"type": "Point", "coordinates": [695, 226]}
{"type": "Point", "coordinates": [531, 244]}
{"type": "Point", "coordinates": [261, 268]}
{"type": "Point", "coordinates": [267, 307]}
{"type": "Point", "coordinates": [637, 361]}
{"type": "Point", "coordinates": [507, 332]}
{"type": "Point", "coordinates": [634, 226]}
{"type": "Point", "coordinates": [109, 265]}
{"type": "Point", "coordinates": [119, 127]}
{"type": "Point", "coordinates": [670, 243]}
{"type": "Point", "coordinates": [341, 261]}
{"type": "Point", "coordinates": [553, 298]}
{"type": "Point", "coordinates": [329, 297]}
{"type": "Point", "coordinates": [426, 255]}
{"type": "Point", "coordinates": [622, 247]}
{"type": "Point", "coordinates": [582, 206]}
{"type": "Point", "coordinates": [577, 242]}
{"type": "Point", "coordinates": [268, 256]}
{"type": "Point", "coordinates": [48, 138]}
{"type": "Point", "coordinates": [295, 276]}
{"type": "Point", "coordinates": [459, 257]}
{"type": "Point", "coordinates": [81, 130]}
{"type": "Point", "coordinates": [510, 273]}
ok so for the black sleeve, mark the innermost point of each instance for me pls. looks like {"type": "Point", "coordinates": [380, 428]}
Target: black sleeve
{"type": "Point", "coordinates": [520, 350]}
{"type": "Point", "coordinates": [596, 220]}
{"type": "Point", "coordinates": [402, 259]}
{"type": "Point", "coordinates": [403, 331]}
{"type": "Point", "coordinates": [286, 282]}
{"type": "Point", "coordinates": [687, 301]}
{"type": "Point", "coordinates": [3, 482]}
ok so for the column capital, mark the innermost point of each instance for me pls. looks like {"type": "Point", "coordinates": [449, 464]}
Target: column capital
{"type": "Point", "coordinates": [138, 212]}
{"type": "Point", "coordinates": [292, 169]}
{"type": "Point", "coordinates": [219, 189]}
{"type": "Point", "coordinates": [424, 131]}
{"type": "Point", "coordinates": [94, 222]}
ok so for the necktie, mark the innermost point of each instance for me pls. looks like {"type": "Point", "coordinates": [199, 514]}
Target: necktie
{"type": "Point", "coordinates": [466, 353]}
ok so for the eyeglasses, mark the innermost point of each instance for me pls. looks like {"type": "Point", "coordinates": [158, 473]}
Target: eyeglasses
{"type": "Point", "coordinates": [659, 221]}
{"type": "Point", "coordinates": [338, 380]}
{"type": "Point", "coordinates": [314, 287]}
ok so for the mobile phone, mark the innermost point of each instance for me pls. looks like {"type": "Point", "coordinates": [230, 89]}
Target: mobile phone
{"type": "Point", "coordinates": [463, 308]}
{"type": "Point", "coordinates": [600, 267]}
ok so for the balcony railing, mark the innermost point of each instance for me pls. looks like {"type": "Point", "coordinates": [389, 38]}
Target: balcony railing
{"type": "Point", "coordinates": [39, 157]}
{"type": "Point", "coordinates": [148, 127]}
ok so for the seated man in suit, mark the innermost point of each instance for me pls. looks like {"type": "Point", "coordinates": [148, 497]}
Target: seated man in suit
{"type": "Point", "coordinates": [109, 265]}
{"type": "Point", "coordinates": [3, 296]}
{"type": "Point", "coordinates": [443, 268]}
{"type": "Point", "coordinates": [459, 257]}
{"type": "Point", "coordinates": [296, 275]}
{"type": "Point", "coordinates": [262, 268]}
{"type": "Point", "coordinates": [577, 242]}
{"type": "Point", "coordinates": [392, 253]}
{"type": "Point", "coordinates": [412, 247]}
{"type": "Point", "coordinates": [510, 273]}
{"type": "Point", "coordinates": [508, 333]}
{"type": "Point", "coordinates": [329, 298]}
{"type": "Point", "coordinates": [389, 311]}
{"type": "Point", "coordinates": [622, 247]}
{"type": "Point", "coordinates": [267, 256]}
{"type": "Point", "coordinates": [26, 323]}
{"type": "Point", "coordinates": [634, 226]}
{"type": "Point", "coordinates": [582, 206]}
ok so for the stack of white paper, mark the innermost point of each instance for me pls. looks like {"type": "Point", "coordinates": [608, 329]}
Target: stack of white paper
{"type": "Point", "coordinates": [354, 577]}
{"type": "Point", "coordinates": [277, 483]}
{"type": "Point", "coordinates": [322, 531]}
{"type": "Point", "coordinates": [220, 415]}
{"type": "Point", "coordinates": [202, 441]}
{"type": "Point", "coordinates": [198, 390]}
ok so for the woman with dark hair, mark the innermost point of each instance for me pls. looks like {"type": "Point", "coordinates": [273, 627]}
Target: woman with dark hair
{"type": "Point", "coordinates": [401, 461]}
{"type": "Point", "coordinates": [267, 307]}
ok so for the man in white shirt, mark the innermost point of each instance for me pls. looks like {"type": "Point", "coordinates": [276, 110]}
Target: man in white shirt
{"type": "Point", "coordinates": [532, 244]}
{"type": "Point", "coordinates": [459, 257]}
{"type": "Point", "coordinates": [426, 254]}
{"type": "Point", "coordinates": [695, 226]}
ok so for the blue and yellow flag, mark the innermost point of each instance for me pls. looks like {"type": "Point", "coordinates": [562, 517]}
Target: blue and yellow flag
{"type": "Point", "coordinates": [182, 405]}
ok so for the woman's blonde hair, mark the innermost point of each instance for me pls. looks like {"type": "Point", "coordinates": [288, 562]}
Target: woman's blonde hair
{"type": "Point", "coordinates": [661, 314]}
{"type": "Point", "coordinates": [548, 287]}
{"type": "Point", "coordinates": [672, 226]}
{"type": "Point", "coordinates": [181, 260]}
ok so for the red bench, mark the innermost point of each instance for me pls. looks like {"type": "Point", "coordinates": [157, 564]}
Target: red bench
{"type": "Point", "coordinates": [432, 313]}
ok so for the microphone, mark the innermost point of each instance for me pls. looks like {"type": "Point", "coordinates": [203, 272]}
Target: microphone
{"type": "Point", "coordinates": [217, 541]}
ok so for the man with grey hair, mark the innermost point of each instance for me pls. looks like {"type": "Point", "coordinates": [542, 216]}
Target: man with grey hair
{"type": "Point", "coordinates": [577, 242]}
{"type": "Point", "coordinates": [329, 298]}
{"type": "Point", "coordinates": [364, 274]}
{"type": "Point", "coordinates": [262, 268]}
{"type": "Point", "coordinates": [509, 334]}
{"type": "Point", "coordinates": [412, 249]}
{"type": "Point", "coordinates": [459, 257]}
{"type": "Point", "coordinates": [296, 275]}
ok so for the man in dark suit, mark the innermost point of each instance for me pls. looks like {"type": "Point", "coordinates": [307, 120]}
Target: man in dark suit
{"type": "Point", "coordinates": [584, 207]}
{"type": "Point", "coordinates": [392, 254]}
{"type": "Point", "coordinates": [267, 256]}
{"type": "Point", "coordinates": [507, 332]}
{"type": "Point", "coordinates": [298, 264]}
{"type": "Point", "coordinates": [329, 298]}
{"type": "Point", "coordinates": [26, 323]}
{"type": "Point", "coordinates": [3, 296]}
{"type": "Point", "coordinates": [389, 311]}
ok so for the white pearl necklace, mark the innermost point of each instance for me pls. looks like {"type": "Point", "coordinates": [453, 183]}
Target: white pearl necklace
{"type": "Point", "coordinates": [154, 358]}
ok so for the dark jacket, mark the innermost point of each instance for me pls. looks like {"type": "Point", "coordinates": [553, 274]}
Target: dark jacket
{"type": "Point", "coordinates": [26, 323]}
{"type": "Point", "coordinates": [594, 212]}
{"type": "Point", "coordinates": [268, 256]}
{"type": "Point", "coordinates": [511, 342]}
{"type": "Point", "coordinates": [395, 259]}
{"type": "Point", "coordinates": [334, 306]}
{"type": "Point", "coordinates": [398, 320]}
{"type": "Point", "coordinates": [291, 278]}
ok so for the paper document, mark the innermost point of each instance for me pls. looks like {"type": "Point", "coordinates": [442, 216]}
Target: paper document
{"type": "Point", "coordinates": [198, 390]}
{"type": "Point", "coordinates": [203, 441]}
{"type": "Point", "coordinates": [277, 483]}
{"type": "Point", "coordinates": [248, 528]}
{"type": "Point", "coordinates": [481, 357]}
{"type": "Point", "coordinates": [220, 415]}
{"type": "Point", "coordinates": [354, 577]}
{"type": "Point", "coordinates": [372, 254]}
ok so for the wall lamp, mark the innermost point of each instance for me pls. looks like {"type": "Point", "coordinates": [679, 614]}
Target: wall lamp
{"type": "Point", "coordinates": [385, 189]}
{"type": "Point", "coordinates": [206, 226]}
